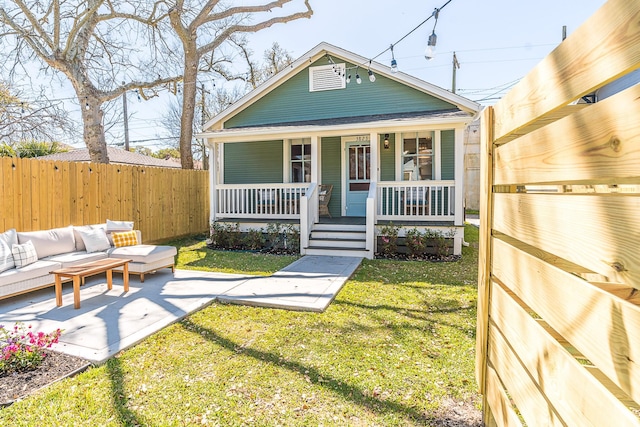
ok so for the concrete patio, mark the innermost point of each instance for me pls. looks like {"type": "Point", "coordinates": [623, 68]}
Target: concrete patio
{"type": "Point", "coordinates": [109, 321]}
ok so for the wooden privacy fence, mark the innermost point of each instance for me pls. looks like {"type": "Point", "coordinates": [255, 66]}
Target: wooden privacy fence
{"type": "Point", "coordinates": [558, 335]}
{"type": "Point", "coordinates": [162, 202]}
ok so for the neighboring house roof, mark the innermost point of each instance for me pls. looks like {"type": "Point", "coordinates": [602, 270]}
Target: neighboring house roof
{"type": "Point", "coordinates": [116, 155]}
{"type": "Point", "coordinates": [337, 54]}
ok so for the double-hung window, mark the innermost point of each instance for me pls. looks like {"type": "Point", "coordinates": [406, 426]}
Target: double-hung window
{"type": "Point", "coordinates": [417, 156]}
{"type": "Point", "coordinates": [300, 160]}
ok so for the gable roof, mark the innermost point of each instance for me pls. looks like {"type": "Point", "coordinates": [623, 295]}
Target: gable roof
{"type": "Point", "coordinates": [337, 53]}
{"type": "Point", "coordinates": [116, 155]}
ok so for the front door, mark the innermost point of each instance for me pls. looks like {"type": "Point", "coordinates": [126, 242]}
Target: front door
{"type": "Point", "coordinates": [358, 175]}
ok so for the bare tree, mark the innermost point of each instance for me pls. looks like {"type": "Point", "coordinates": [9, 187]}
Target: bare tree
{"type": "Point", "coordinates": [22, 120]}
{"type": "Point", "coordinates": [212, 103]}
{"type": "Point", "coordinates": [202, 26]}
{"type": "Point", "coordinates": [94, 44]}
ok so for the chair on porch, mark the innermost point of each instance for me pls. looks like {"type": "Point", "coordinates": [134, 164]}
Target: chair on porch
{"type": "Point", "coordinates": [267, 202]}
{"type": "Point", "coordinates": [323, 199]}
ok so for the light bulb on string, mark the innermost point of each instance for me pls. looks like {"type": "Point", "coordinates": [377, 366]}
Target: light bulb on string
{"type": "Point", "coordinates": [372, 77]}
{"type": "Point", "coordinates": [349, 79]}
{"type": "Point", "coordinates": [430, 51]}
{"type": "Point", "coordinates": [358, 79]}
{"type": "Point", "coordinates": [394, 63]}
{"type": "Point", "coordinates": [86, 103]}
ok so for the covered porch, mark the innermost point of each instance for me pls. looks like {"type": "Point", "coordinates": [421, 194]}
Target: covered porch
{"type": "Point", "coordinates": [373, 174]}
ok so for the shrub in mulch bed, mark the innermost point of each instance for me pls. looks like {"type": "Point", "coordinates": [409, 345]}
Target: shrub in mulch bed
{"type": "Point", "coordinates": [276, 239]}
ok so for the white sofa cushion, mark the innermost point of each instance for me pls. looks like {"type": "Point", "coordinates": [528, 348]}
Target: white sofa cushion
{"type": "Point", "coordinates": [143, 253]}
{"type": "Point", "coordinates": [75, 258]}
{"type": "Point", "coordinates": [24, 254]}
{"type": "Point", "coordinates": [31, 271]}
{"type": "Point", "coordinates": [119, 226]}
{"type": "Point", "coordinates": [7, 240]}
{"type": "Point", "coordinates": [95, 240]}
{"type": "Point", "coordinates": [50, 242]}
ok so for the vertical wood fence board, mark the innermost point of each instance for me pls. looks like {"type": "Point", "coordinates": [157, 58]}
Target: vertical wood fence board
{"type": "Point", "coordinates": [162, 203]}
{"type": "Point", "coordinates": [484, 249]}
{"type": "Point", "coordinates": [599, 144]}
{"type": "Point", "coordinates": [499, 403]}
{"type": "Point", "coordinates": [535, 409]}
{"type": "Point", "coordinates": [602, 49]}
{"type": "Point", "coordinates": [556, 372]}
{"type": "Point", "coordinates": [603, 327]}
{"type": "Point", "coordinates": [599, 232]}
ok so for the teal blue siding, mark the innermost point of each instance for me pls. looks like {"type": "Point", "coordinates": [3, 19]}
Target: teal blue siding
{"type": "Point", "coordinates": [387, 159]}
{"type": "Point", "coordinates": [447, 153]}
{"type": "Point", "coordinates": [292, 101]}
{"type": "Point", "coordinates": [331, 172]}
{"type": "Point", "coordinates": [253, 162]}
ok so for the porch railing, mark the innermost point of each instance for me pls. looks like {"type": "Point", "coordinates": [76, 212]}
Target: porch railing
{"type": "Point", "coordinates": [259, 200]}
{"type": "Point", "coordinates": [419, 201]}
{"type": "Point", "coordinates": [308, 215]}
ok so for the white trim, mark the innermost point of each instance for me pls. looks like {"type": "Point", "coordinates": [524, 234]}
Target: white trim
{"type": "Point", "coordinates": [398, 155]}
{"type": "Point", "coordinates": [459, 175]}
{"type": "Point", "coordinates": [286, 160]}
{"type": "Point", "coordinates": [266, 134]}
{"type": "Point", "coordinates": [315, 159]}
{"type": "Point", "coordinates": [374, 163]}
{"type": "Point", "coordinates": [321, 50]}
{"type": "Point", "coordinates": [437, 155]}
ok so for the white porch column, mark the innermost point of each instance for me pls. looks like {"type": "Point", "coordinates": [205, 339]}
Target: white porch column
{"type": "Point", "coordinates": [213, 178]}
{"type": "Point", "coordinates": [315, 159]}
{"type": "Point", "coordinates": [375, 154]}
{"type": "Point", "coordinates": [459, 175]}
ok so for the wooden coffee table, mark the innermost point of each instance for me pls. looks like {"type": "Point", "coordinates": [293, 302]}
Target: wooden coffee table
{"type": "Point", "coordinates": [80, 271]}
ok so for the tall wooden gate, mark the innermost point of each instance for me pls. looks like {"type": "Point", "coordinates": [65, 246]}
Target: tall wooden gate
{"type": "Point", "coordinates": [558, 338]}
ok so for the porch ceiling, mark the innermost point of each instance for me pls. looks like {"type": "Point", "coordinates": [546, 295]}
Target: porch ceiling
{"type": "Point", "coordinates": [340, 126]}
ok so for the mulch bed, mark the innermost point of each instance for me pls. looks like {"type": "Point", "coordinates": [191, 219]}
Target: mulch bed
{"type": "Point", "coordinates": [54, 367]}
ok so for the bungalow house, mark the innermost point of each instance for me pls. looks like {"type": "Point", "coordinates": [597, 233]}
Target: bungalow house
{"type": "Point", "coordinates": [341, 146]}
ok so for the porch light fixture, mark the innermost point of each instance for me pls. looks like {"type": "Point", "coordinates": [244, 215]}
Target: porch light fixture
{"type": "Point", "coordinates": [430, 51]}
{"type": "Point", "coordinates": [386, 141]}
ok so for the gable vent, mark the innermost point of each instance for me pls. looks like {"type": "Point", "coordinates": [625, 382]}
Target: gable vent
{"type": "Point", "coordinates": [325, 78]}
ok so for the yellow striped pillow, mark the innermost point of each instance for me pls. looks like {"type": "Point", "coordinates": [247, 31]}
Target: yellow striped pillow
{"type": "Point", "coordinates": [126, 238]}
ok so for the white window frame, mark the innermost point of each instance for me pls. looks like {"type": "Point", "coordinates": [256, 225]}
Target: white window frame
{"type": "Point", "coordinates": [435, 153]}
{"type": "Point", "coordinates": [288, 161]}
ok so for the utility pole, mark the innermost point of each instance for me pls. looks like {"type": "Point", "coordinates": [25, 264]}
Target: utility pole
{"type": "Point", "coordinates": [456, 65]}
{"type": "Point", "coordinates": [126, 119]}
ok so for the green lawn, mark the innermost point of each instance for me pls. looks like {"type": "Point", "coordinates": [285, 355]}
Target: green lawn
{"type": "Point", "coordinates": [396, 347]}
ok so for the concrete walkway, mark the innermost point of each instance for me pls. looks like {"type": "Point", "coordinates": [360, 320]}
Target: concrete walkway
{"type": "Point", "coordinates": [109, 321]}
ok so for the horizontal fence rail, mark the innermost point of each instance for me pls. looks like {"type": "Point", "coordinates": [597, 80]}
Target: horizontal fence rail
{"type": "Point", "coordinates": [412, 200]}
{"type": "Point", "coordinates": [163, 203]}
{"type": "Point", "coordinates": [259, 200]}
{"type": "Point", "coordinates": [558, 331]}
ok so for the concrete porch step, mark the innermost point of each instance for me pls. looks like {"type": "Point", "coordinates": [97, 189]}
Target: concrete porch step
{"type": "Point", "coordinates": [339, 242]}
{"type": "Point", "coordinates": [337, 251]}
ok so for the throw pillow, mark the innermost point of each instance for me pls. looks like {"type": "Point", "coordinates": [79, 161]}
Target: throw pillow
{"type": "Point", "coordinates": [126, 238]}
{"type": "Point", "coordinates": [7, 240]}
{"type": "Point", "coordinates": [94, 240]}
{"type": "Point", "coordinates": [113, 226]}
{"type": "Point", "coordinates": [24, 254]}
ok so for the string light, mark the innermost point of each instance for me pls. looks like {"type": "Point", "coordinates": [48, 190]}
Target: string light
{"type": "Point", "coordinates": [86, 103]}
{"type": "Point", "coordinates": [394, 63]}
{"type": "Point", "coordinates": [430, 51]}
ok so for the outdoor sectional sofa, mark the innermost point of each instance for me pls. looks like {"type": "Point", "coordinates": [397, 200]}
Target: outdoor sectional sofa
{"type": "Point", "coordinates": [67, 246]}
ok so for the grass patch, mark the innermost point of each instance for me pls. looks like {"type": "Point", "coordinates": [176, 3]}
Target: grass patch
{"type": "Point", "coordinates": [396, 344]}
